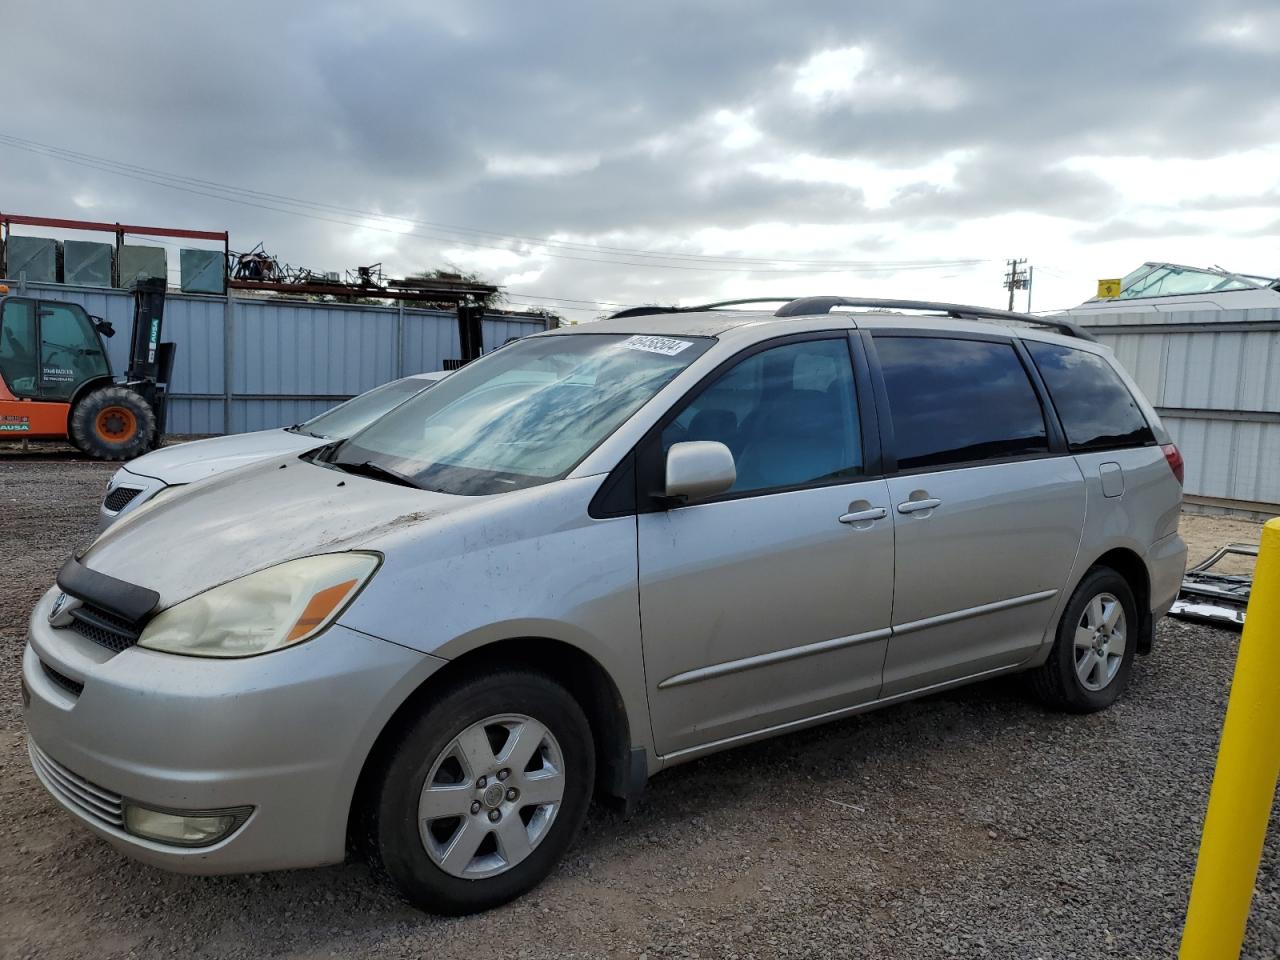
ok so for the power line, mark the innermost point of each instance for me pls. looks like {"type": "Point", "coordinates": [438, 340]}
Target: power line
{"type": "Point", "coordinates": [146, 173]}
{"type": "Point", "coordinates": [697, 262]}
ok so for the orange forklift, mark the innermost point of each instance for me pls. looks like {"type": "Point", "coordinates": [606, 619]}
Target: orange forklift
{"type": "Point", "coordinates": [56, 381]}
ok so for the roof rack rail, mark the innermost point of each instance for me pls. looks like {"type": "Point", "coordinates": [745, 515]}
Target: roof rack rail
{"type": "Point", "coordinates": [808, 306]}
{"type": "Point", "coordinates": [650, 310]}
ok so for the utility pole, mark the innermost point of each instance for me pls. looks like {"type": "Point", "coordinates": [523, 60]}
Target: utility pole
{"type": "Point", "coordinates": [1016, 278]}
{"type": "Point", "coordinates": [1031, 272]}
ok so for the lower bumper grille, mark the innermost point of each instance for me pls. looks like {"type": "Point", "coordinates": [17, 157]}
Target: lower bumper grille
{"type": "Point", "coordinates": [95, 803]}
{"type": "Point", "coordinates": [73, 687]}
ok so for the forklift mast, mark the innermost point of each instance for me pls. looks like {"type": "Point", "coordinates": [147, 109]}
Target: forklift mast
{"type": "Point", "coordinates": [148, 322]}
{"type": "Point", "coordinates": [470, 332]}
{"type": "Point", "coordinates": [150, 360]}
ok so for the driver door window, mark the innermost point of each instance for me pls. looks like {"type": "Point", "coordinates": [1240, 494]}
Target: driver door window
{"type": "Point", "coordinates": [788, 415]}
{"type": "Point", "coordinates": [70, 352]}
{"type": "Point", "coordinates": [18, 347]}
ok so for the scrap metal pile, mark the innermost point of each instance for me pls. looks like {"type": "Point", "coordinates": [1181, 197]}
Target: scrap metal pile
{"type": "Point", "coordinates": [259, 270]}
{"type": "Point", "coordinates": [1219, 598]}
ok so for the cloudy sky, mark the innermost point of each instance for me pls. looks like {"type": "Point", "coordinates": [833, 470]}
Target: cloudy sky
{"type": "Point", "coordinates": [607, 153]}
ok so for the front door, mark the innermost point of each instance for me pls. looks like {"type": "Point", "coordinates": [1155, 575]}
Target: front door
{"type": "Point", "coordinates": [70, 351]}
{"type": "Point", "coordinates": [987, 508]}
{"type": "Point", "coordinates": [769, 604]}
{"type": "Point", "coordinates": [19, 350]}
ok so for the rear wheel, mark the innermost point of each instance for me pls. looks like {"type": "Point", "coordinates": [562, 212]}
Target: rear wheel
{"type": "Point", "coordinates": [113, 423]}
{"type": "Point", "coordinates": [482, 794]}
{"type": "Point", "coordinates": [1093, 652]}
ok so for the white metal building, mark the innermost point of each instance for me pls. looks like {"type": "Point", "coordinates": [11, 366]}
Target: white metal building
{"type": "Point", "coordinates": [1204, 345]}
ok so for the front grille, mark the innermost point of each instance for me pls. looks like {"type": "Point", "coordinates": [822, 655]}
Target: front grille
{"type": "Point", "coordinates": [73, 687]}
{"type": "Point", "coordinates": [119, 498]}
{"type": "Point", "coordinates": [92, 801]}
{"type": "Point", "coordinates": [114, 633]}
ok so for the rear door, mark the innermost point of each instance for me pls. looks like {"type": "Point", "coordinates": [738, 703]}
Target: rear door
{"type": "Point", "coordinates": [769, 604]}
{"type": "Point", "coordinates": [988, 508]}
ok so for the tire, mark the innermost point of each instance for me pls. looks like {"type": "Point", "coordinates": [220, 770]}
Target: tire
{"type": "Point", "coordinates": [113, 423]}
{"type": "Point", "coordinates": [1084, 673]}
{"type": "Point", "coordinates": [421, 838]}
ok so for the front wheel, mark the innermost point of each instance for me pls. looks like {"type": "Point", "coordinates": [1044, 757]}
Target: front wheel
{"type": "Point", "coordinates": [482, 794]}
{"type": "Point", "coordinates": [113, 423]}
{"type": "Point", "coordinates": [1092, 656]}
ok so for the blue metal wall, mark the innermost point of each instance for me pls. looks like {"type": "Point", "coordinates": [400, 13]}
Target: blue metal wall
{"type": "Point", "coordinates": [246, 364]}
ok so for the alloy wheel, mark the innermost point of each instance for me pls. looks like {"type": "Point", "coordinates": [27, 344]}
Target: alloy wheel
{"type": "Point", "coordinates": [1100, 641]}
{"type": "Point", "coordinates": [491, 796]}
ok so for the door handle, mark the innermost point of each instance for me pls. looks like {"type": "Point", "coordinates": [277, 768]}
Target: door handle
{"type": "Point", "coordinates": [875, 513]}
{"type": "Point", "coordinates": [914, 506]}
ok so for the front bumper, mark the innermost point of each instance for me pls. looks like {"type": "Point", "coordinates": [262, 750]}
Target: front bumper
{"type": "Point", "coordinates": [286, 733]}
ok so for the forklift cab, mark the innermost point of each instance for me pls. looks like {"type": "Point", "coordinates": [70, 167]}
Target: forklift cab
{"type": "Point", "coordinates": [49, 350]}
{"type": "Point", "coordinates": [56, 381]}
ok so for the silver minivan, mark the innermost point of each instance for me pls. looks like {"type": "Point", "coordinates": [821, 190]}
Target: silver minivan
{"type": "Point", "coordinates": [589, 556]}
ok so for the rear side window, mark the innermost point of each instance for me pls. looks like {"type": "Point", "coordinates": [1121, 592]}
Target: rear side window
{"type": "Point", "coordinates": [1096, 408]}
{"type": "Point", "coordinates": [959, 401]}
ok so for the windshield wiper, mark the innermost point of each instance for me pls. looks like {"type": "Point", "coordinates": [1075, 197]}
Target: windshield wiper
{"type": "Point", "coordinates": [378, 471]}
{"type": "Point", "coordinates": [297, 428]}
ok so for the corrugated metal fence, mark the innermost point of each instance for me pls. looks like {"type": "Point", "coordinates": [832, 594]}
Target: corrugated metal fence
{"type": "Point", "coordinates": [1214, 377]}
{"type": "Point", "coordinates": [247, 364]}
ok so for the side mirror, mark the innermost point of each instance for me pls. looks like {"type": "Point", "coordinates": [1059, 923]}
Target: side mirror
{"type": "Point", "coordinates": [104, 327]}
{"type": "Point", "coordinates": [697, 469]}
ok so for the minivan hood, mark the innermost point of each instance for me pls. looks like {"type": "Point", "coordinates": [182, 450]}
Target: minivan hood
{"type": "Point", "coordinates": [197, 459]}
{"type": "Point", "coordinates": [194, 539]}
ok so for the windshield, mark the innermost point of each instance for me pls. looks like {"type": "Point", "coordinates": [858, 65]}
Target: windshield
{"type": "Point", "coordinates": [1167, 279]}
{"type": "Point", "coordinates": [358, 412]}
{"type": "Point", "coordinates": [521, 416]}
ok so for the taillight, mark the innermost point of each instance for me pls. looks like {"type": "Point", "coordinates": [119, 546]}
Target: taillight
{"type": "Point", "coordinates": [1174, 458]}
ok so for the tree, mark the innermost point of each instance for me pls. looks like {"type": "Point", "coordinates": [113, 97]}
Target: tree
{"type": "Point", "coordinates": [490, 301]}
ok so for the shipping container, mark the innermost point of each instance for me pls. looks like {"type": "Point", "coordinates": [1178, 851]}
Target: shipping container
{"type": "Point", "coordinates": [138, 263]}
{"type": "Point", "coordinates": [38, 258]}
{"type": "Point", "coordinates": [86, 263]}
{"type": "Point", "coordinates": [203, 271]}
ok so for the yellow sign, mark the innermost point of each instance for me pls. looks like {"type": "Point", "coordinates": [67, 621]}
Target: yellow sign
{"type": "Point", "coordinates": [1108, 289]}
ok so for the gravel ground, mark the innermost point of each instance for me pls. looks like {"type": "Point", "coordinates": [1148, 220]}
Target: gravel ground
{"type": "Point", "coordinates": [1205, 534]}
{"type": "Point", "coordinates": [971, 824]}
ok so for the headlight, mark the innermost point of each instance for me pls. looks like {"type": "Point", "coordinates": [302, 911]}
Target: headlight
{"type": "Point", "coordinates": [265, 611]}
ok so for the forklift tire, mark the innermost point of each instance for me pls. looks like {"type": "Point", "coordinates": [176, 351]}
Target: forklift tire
{"type": "Point", "coordinates": [113, 423]}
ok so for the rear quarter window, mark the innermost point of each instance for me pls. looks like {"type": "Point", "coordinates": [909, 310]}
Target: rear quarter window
{"type": "Point", "coordinates": [1096, 408]}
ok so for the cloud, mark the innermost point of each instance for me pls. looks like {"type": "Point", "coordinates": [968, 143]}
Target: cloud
{"type": "Point", "coordinates": [919, 130]}
{"type": "Point", "coordinates": [1124, 229]}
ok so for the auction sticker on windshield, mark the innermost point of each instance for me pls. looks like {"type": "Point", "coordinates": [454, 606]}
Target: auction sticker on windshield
{"type": "Point", "coordinates": [663, 345]}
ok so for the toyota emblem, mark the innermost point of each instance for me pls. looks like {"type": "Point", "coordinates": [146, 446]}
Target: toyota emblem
{"type": "Point", "coordinates": [58, 604]}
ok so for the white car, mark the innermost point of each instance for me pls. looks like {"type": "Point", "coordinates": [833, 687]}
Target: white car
{"type": "Point", "coordinates": [143, 478]}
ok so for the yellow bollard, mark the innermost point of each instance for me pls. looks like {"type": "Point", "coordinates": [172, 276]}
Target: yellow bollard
{"type": "Point", "coordinates": [1244, 783]}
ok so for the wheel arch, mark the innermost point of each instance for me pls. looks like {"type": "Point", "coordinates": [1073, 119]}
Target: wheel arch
{"type": "Point", "coordinates": [1130, 565]}
{"type": "Point", "coordinates": [580, 673]}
